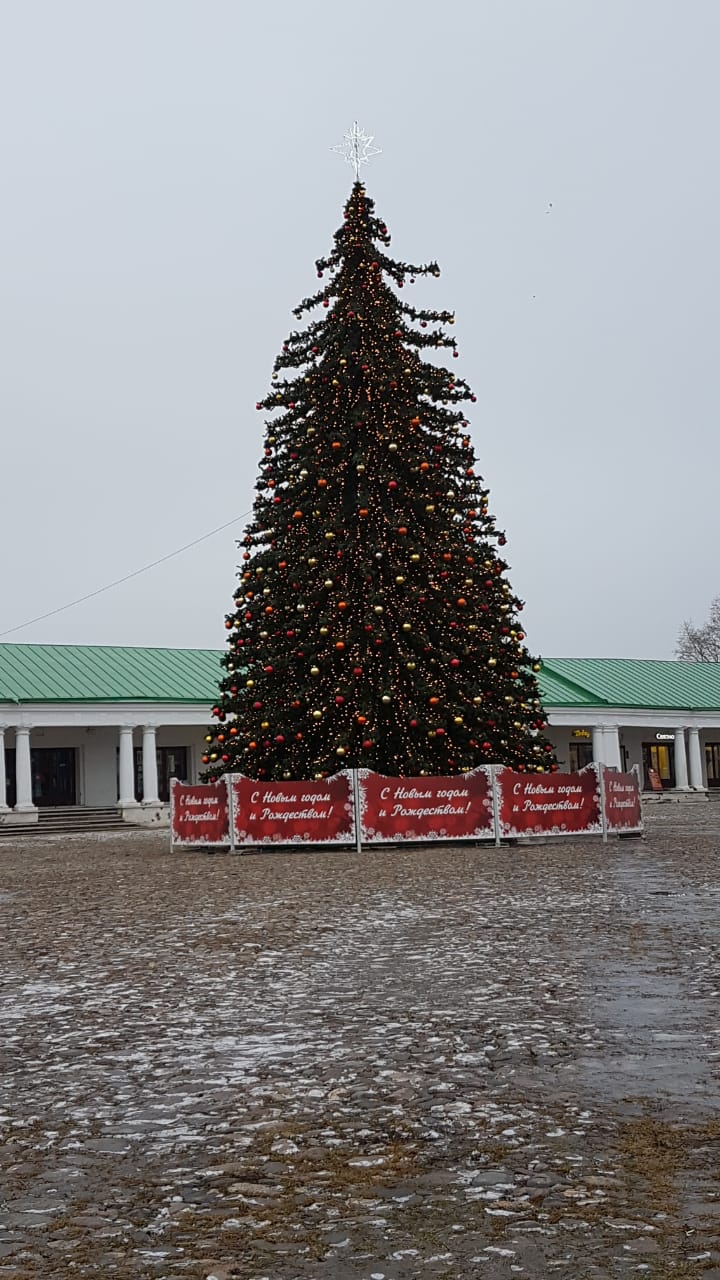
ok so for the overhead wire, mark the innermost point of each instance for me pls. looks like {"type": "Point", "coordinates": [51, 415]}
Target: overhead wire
{"type": "Point", "coordinates": [125, 578]}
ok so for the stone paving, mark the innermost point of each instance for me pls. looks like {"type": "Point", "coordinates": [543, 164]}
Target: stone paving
{"type": "Point", "coordinates": [426, 1063]}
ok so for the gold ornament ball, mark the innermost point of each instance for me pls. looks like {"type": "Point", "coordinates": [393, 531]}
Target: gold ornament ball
{"type": "Point", "coordinates": [415, 557]}
{"type": "Point", "coordinates": [392, 447]}
{"type": "Point", "coordinates": [213, 755]}
{"type": "Point", "coordinates": [399, 579]}
{"type": "Point", "coordinates": [249, 684]}
{"type": "Point", "coordinates": [329, 534]}
{"type": "Point", "coordinates": [360, 468]}
{"type": "Point", "coordinates": [407, 626]}
{"type": "Point", "coordinates": [339, 751]}
{"type": "Point", "coordinates": [312, 562]}
{"type": "Point", "coordinates": [477, 700]}
{"type": "Point", "coordinates": [410, 666]}
{"type": "Point", "coordinates": [208, 737]}
{"type": "Point", "coordinates": [314, 671]}
{"type": "Point", "coordinates": [328, 582]}
{"type": "Point", "coordinates": [536, 666]}
{"type": "Point", "coordinates": [386, 698]}
{"type": "Point", "coordinates": [378, 608]}
{"type": "Point", "coordinates": [457, 719]}
{"type": "Point", "coordinates": [492, 662]}
{"type": "Point", "coordinates": [323, 631]}
{"type": "Point", "coordinates": [265, 724]}
{"type": "Point", "coordinates": [317, 715]}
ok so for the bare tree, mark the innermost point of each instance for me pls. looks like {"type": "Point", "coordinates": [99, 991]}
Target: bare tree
{"type": "Point", "coordinates": [701, 644]}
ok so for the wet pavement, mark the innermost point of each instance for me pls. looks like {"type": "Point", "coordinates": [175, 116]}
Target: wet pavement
{"type": "Point", "coordinates": [433, 1063]}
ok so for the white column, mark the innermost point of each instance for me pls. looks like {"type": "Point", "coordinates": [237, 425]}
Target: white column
{"type": "Point", "coordinates": [3, 775]}
{"type": "Point", "coordinates": [611, 746]}
{"type": "Point", "coordinates": [697, 779]}
{"type": "Point", "coordinates": [126, 771]}
{"type": "Point", "coordinates": [23, 771]}
{"type": "Point", "coordinates": [149, 759]}
{"type": "Point", "coordinates": [681, 769]}
{"type": "Point", "coordinates": [598, 748]}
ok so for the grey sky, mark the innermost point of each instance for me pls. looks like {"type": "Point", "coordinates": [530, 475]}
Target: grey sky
{"type": "Point", "coordinates": [167, 184]}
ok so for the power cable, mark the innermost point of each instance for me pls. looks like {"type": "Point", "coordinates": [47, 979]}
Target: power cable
{"type": "Point", "coordinates": [126, 578]}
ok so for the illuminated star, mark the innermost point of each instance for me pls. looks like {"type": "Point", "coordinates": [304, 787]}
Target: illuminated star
{"type": "Point", "coordinates": [356, 148]}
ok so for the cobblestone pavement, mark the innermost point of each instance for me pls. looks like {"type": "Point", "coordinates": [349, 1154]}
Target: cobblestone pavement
{"type": "Point", "coordinates": [423, 1063]}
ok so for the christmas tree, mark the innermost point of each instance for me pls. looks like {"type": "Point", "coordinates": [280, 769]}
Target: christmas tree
{"type": "Point", "coordinates": [373, 625]}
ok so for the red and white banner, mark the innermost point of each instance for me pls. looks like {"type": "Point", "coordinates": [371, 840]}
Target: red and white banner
{"type": "Point", "coordinates": [395, 809]}
{"type": "Point", "coordinates": [199, 814]}
{"type": "Point", "coordinates": [622, 801]}
{"type": "Point", "coordinates": [555, 804]}
{"type": "Point", "coordinates": [320, 812]}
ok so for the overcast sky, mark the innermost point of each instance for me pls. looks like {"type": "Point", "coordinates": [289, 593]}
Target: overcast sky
{"type": "Point", "coordinates": [167, 183]}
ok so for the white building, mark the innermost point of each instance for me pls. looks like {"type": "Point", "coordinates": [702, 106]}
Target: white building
{"type": "Point", "coordinates": [106, 728]}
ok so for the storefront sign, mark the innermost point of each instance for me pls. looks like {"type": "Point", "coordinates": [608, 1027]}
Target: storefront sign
{"type": "Point", "coordinates": [665, 737]}
{"type": "Point", "coordinates": [320, 812]}
{"type": "Point", "coordinates": [199, 814]}
{"type": "Point", "coordinates": [581, 733]}
{"type": "Point", "coordinates": [548, 804]}
{"type": "Point", "coordinates": [393, 809]}
{"type": "Point", "coordinates": [622, 801]}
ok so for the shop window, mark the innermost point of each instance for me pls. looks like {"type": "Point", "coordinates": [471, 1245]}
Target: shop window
{"type": "Point", "coordinates": [580, 755]}
{"type": "Point", "coordinates": [712, 762]}
{"type": "Point", "coordinates": [172, 762]}
{"type": "Point", "coordinates": [658, 760]}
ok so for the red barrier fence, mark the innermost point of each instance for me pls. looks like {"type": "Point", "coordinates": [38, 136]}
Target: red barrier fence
{"type": "Point", "coordinates": [558, 804]}
{"type": "Point", "coordinates": [396, 809]}
{"type": "Point", "coordinates": [200, 814]}
{"type": "Point", "coordinates": [362, 807]}
{"type": "Point", "coordinates": [293, 812]}
{"type": "Point", "coordinates": [622, 801]}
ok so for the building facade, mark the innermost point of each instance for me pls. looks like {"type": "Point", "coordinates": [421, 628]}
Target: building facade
{"type": "Point", "coordinates": [95, 726]}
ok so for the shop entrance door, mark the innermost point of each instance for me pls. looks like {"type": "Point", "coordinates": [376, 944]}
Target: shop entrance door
{"type": "Point", "coordinates": [659, 757]}
{"type": "Point", "coordinates": [712, 761]}
{"type": "Point", "coordinates": [53, 776]}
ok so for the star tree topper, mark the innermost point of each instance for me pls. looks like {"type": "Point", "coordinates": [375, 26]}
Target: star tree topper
{"type": "Point", "coordinates": [356, 148]}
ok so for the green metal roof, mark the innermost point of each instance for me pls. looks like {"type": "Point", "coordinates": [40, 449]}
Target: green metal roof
{"type": "Point", "coordinates": [632, 682]}
{"type": "Point", "coordinates": [105, 673]}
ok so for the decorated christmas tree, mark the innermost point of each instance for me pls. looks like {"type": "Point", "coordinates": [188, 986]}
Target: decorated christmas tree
{"type": "Point", "coordinates": [373, 624]}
